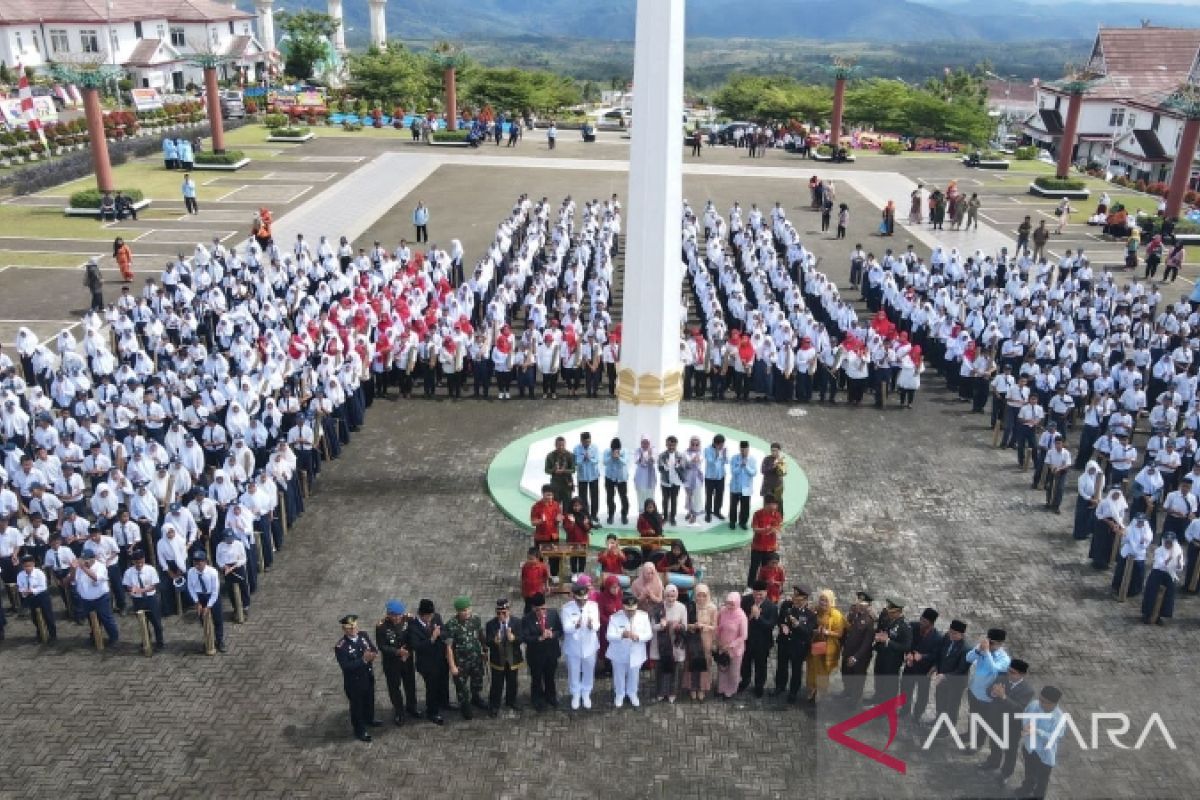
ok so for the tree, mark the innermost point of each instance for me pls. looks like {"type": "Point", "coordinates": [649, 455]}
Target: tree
{"type": "Point", "coordinates": [519, 90]}
{"type": "Point", "coordinates": [395, 75]}
{"type": "Point", "coordinates": [876, 103]}
{"type": "Point", "coordinates": [308, 34]}
{"type": "Point", "coordinates": [773, 99]}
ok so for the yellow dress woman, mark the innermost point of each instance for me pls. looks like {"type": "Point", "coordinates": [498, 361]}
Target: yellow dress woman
{"type": "Point", "coordinates": [831, 628]}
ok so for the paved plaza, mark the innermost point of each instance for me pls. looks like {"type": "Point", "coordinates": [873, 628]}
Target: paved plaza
{"type": "Point", "coordinates": [909, 503]}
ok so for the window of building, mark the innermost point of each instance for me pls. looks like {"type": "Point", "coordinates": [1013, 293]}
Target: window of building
{"type": "Point", "coordinates": [37, 45]}
{"type": "Point", "coordinates": [231, 31]}
{"type": "Point", "coordinates": [178, 39]}
{"type": "Point", "coordinates": [89, 41]}
{"type": "Point", "coordinates": [137, 29]}
{"type": "Point", "coordinates": [59, 41]}
{"type": "Point", "coordinates": [20, 44]}
{"type": "Point", "coordinates": [1154, 122]}
{"type": "Point", "coordinates": [116, 43]}
{"type": "Point", "coordinates": [1057, 102]}
{"type": "Point", "coordinates": [1116, 117]}
{"type": "Point", "coordinates": [160, 32]}
{"type": "Point", "coordinates": [214, 35]}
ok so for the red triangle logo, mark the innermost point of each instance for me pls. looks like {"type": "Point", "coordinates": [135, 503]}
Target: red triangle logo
{"type": "Point", "coordinates": [891, 708]}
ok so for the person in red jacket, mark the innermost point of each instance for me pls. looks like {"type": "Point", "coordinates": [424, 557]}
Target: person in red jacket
{"type": "Point", "coordinates": [766, 523]}
{"type": "Point", "coordinates": [535, 577]}
{"type": "Point", "coordinates": [772, 573]}
{"type": "Point", "coordinates": [545, 517]}
{"type": "Point", "coordinates": [612, 559]}
{"type": "Point", "coordinates": [578, 525]}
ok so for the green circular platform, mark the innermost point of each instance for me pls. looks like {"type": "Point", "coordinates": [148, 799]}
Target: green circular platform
{"type": "Point", "coordinates": [505, 472]}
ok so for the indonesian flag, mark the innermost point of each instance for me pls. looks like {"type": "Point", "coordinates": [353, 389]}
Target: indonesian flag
{"type": "Point", "coordinates": [25, 93]}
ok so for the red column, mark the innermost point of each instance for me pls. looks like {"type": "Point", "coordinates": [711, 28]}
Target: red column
{"type": "Point", "coordinates": [1183, 166]}
{"type": "Point", "coordinates": [451, 80]}
{"type": "Point", "coordinates": [213, 97]}
{"type": "Point", "coordinates": [839, 100]}
{"type": "Point", "coordinates": [95, 124]}
{"type": "Point", "coordinates": [1067, 145]}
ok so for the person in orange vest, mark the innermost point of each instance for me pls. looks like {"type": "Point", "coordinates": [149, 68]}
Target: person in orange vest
{"type": "Point", "coordinates": [124, 258]}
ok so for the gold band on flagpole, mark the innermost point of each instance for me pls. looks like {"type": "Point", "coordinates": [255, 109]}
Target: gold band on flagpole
{"type": "Point", "coordinates": [648, 389]}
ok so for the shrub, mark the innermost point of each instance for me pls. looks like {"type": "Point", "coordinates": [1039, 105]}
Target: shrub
{"type": "Point", "coordinates": [90, 198]}
{"type": "Point", "coordinates": [1061, 184]}
{"type": "Point", "coordinates": [1028, 153]}
{"type": "Point", "coordinates": [450, 136]}
{"type": "Point", "coordinates": [352, 126]}
{"type": "Point", "coordinates": [1191, 198]}
{"type": "Point", "coordinates": [824, 150]}
{"type": "Point", "coordinates": [275, 120]}
{"type": "Point", "coordinates": [1140, 185]}
{"type": "Point", "coordinates": [294, 133]}
{"type": "Point", "coordinates": [228, 157]}
{"type": "Point", "coordinates": [1159, 188]}
{"type": "Point", "coordinates": [1185, 225]}
{"type": "Point", "coordinates": [251, 107]}
{"type": "Point", "coordinates": [891, 148]}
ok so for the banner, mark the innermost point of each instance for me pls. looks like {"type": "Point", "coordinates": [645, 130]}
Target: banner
{"type": "Point", "coordinates": [281, 100]}
{"type": "Point", "coordinates": [43, 109]}
{"type": "Point", "coordinates": [146, 99]}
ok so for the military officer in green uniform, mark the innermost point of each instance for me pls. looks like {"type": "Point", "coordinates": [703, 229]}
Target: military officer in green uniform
{"type": "Point", "coordinates": [560, 466]}
{"type": "Point", "coordinates": [355, 654]}
{"type": "Point", "coordinates": [856, 647]}
{"type": "Point", "coordinates": [464, 645]}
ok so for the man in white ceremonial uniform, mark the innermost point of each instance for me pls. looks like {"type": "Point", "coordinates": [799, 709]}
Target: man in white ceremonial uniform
{"type": "Point", "coordinates": [628, 636]}
{"type": "Point", "coordinates": [581, 643]}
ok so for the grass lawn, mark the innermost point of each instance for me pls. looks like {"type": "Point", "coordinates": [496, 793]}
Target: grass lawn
{"type": "Point", "coordinates": [49, 223]}
{"type": "Point", "coordinates": [24, 258]}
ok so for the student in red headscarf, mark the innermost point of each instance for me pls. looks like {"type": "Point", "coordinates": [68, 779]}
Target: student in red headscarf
{"type": "Point", "coordinates": [609, 603]}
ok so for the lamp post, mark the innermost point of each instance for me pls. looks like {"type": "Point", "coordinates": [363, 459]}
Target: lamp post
{"type": "Point", "coordinates": [212, 99]}
{"type": "Point", "coordinates": [91, 77]}
{"type": "Point", "coordinates": [1075, 85]}
{"type": "Point", "coordinates": [1186, 102]}
{"type": "Point", "coordinates": [451, 59]}
{"type": "Point", "coordinates": [841, 69]}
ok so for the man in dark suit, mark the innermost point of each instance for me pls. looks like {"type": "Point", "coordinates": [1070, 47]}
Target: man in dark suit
{"type": "Point", "coordinates": [542, 631]}
{"type": "Point", "coordinates": [426, 643]}
{"type": "Point", "coordinates": [763, 616]}
{"type": "Point", "coordinates": [919, 663]}
{"type": "Point", "coordinates": [893, 639]}
{"type": "Point", "coordinates": [1010, 695]}
{"type": "Point", "coordinates": [950, 673]}
{"type": "Point", "coordinates": [504, 657]}
{"type": "Point", "coordinates": [856, 649]}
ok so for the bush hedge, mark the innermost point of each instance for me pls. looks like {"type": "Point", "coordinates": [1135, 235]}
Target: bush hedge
{"type": "Point", "coordinates": [275, 120]}
{"type": "Point", "coordinates": [1059, 184]}
{"type": "Point", "coordinates": [891, 148]}
{"type": "Point", "coordinates": [228, 157]}
{"type": "Point", "coordinates": [824, 150]}
{"type": "Point", "coordinates": [90, 198]}
{"type": "Point", "coordinates": [1025, 153]}
{"type": "Point", "coordinates": [1187, 226]}
{"type": "Point", "coordinates": [294, 133]}
{"type": "Point", "coordinates": [450, 136]}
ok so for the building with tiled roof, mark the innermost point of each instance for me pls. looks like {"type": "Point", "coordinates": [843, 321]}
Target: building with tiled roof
{"type": "Point", "coordinates": [152, 41]}
{"type": "Point", "coordinates": [1124, 125]}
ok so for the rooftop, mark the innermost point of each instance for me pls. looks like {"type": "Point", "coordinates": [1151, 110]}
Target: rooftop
{"type": "Point", "coordinates": [12, 11]}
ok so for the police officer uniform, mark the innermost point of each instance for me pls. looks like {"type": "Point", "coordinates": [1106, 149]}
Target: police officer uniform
{"type": "Point", "coordinates": [797, 623]}
{"type": "Point", "coordinates": [355, 654]}
{"type": "Point", "coordinates": [391, 633]}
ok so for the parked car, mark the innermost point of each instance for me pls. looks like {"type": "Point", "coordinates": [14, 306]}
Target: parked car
{"type": "Point", "coordinates": [726, 134]}
{"type": "Point", "coordinates": [231, 104]}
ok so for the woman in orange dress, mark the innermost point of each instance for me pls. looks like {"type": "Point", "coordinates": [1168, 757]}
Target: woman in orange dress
{"type": "Point", "coordinates": [124, 258]}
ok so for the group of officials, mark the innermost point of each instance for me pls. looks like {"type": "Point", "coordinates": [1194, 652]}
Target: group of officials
{"type": "Point", "coordinates": [913, 657]}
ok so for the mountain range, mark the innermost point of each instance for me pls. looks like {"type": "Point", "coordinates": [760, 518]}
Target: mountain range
{"type": "Point", "coordinates": [830, 20]}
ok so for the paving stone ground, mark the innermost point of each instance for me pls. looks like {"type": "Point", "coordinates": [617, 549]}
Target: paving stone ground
{"type": "Point", "coordinates": [914, 503]}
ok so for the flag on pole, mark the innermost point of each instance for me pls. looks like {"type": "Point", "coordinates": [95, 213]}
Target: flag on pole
{"type": "Point", "coordinates": [25, 93]}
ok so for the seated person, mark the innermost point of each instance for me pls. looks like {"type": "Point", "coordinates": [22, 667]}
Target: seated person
{"type": "Point", "coordinates": [124, 206]}
{"type": "Point", "coordinates": [108, 208]}
{"type": "Point", "coordinates": [650, 524]}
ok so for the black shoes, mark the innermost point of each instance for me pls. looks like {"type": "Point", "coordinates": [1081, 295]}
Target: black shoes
{"type": "Point", "coordinates": [437, 720]}
{"type": "Point", "coordinates": [363, 737]}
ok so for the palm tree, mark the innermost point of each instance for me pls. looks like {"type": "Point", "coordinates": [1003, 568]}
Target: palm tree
{"type": "Point", "coordinates": [450, 59]}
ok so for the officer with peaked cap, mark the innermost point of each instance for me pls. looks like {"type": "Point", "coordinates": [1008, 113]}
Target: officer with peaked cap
{"type": "Point", "coordinates": [356, 654]}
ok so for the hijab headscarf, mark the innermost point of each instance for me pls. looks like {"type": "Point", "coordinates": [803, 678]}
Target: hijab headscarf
{"type": "Point", "coordinates": [647, 587]}
{"type": "Point", "coordinates": [609, 602]}
{"type": "Point", "coordinates": [702, 591]}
